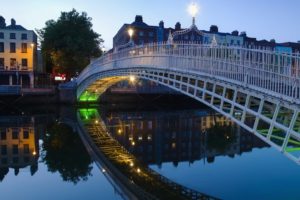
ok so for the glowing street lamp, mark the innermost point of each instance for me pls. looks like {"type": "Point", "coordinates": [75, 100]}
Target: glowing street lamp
{"type": "Point", "coordinates": [130, 33]}
{"type": "Point", "coordinates": [193, 10]}
{"type": "Point", "coordinates": [132, 79]}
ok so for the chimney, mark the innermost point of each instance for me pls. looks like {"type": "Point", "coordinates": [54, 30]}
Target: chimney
{"type": "Point", "coordinates": [161, 24]}
{"type": "Point", "coordinates": [235, 33]}
{"type": "Point", "coordinates": [139, 18]}
{"type": "Point", "coordinates": [2, 22]}
{"type": "Point", "coordinates": [177, 26]}
{"type": "Point", "coordinates": [13, 22]}
{"type": "Point", "coordinates": [243, 34]}
{"type": "Point", "coordinates": [214, 29]}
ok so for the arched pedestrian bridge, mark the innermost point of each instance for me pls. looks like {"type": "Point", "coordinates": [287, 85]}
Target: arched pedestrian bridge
{"type": "Point", "coordinates": [259, 89]}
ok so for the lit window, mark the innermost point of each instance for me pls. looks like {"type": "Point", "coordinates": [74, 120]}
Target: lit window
{"type": "Point", "coordinates": [24, 48]}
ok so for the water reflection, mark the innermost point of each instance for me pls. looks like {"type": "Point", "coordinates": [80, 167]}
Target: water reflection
{"type": "Point", "coordinates": [156, 137]}
{"type": "Point", "coordinates": [64, 152]}
{"type": "Point", "coordinates": [19, 148]}
{"type": "Point", "coordinates": [61, 148]}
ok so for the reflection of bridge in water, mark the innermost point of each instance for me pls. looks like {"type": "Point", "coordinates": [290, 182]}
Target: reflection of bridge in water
{"type": "Point", "coordinates": [156, 137]}
{"type": "Point", "coordinates": [135, 179]}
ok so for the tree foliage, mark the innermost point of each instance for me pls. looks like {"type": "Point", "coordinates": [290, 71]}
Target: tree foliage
{"type": "Point", "coordinates": [70, 42]}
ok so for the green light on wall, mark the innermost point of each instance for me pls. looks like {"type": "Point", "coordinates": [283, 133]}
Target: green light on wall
{"type": "Point", "coordinates": [89, 114]}
{"type": "Point", "coordinates": [88, 97]}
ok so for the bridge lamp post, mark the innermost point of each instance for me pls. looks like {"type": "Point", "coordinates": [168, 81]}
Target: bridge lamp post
{"type": "Point", "coordinates": [193, 10]}
{"type": "Point", "coordinates": [132, 78]}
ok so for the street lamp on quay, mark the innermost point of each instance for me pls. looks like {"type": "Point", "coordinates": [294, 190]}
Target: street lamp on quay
{"type": "Point", "coordinates": [193, 10]}
{"type": "Point", "coordinates": [130, 33]}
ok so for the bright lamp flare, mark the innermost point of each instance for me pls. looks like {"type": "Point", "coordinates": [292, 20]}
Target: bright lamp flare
{"type": "Point", "coordinates": [193, 9]}
{"type": "Point", "coordinates": [130, 32]}
{"type": "Point", "coordinates": [132, 79]}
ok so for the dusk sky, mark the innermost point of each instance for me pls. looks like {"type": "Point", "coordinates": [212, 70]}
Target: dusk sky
{"type": "Point", "coordinates": [263, 19]}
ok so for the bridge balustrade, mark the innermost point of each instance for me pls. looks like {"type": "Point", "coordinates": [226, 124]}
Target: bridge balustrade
{"type": "Point", "coordinates": [262, 69]}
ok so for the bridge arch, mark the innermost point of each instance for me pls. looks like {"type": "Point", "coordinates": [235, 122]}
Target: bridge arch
{"type": "Point", "coordinates": [239, 83]}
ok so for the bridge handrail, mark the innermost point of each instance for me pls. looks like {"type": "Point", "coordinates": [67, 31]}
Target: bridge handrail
{"type": "Point", "coordinates": [277, 72]}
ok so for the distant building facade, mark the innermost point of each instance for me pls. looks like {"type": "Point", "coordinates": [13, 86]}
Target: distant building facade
{"type": "Point", "coordinates": [144, 33]}
{"type": "Point", "coordinates": [18, 54]}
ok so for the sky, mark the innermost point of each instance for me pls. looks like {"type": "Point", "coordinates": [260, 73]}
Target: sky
{"type": "Point", "coordinates": [263, 19]}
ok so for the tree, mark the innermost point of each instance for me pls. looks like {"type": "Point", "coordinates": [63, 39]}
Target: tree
{"type": "Point", "coordinates": [69, 43]}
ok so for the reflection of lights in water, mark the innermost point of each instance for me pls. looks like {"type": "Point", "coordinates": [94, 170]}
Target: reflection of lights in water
{"type": "Point", "coordinates": [119, 131]}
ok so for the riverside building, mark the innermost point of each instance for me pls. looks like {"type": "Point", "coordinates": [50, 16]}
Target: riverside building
{"type": "Point", "coordinates": [18, 54]}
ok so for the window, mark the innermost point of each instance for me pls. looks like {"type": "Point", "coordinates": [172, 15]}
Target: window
{"type": "Point", "coordinates": [15, 149]}
{"type": "Point", "coordinates": [141, 33]}
{"type": "Point", "coordinates": [4, 161]}
{"type": "Point", "coordinates": [24, 48]}
{"type": "Point", "coordinates": [1, 63]}
{"type": "Point", "coordinates": [1, 46]}
{"type": "Point", "coordinates": [15, 160]}
{"type": "Point", "coordinates": [24, 36]}
{"type": "Point", "coordinates": [12, 36]}
{"type": "Point", "coordinates": [238, 42]}
{"type": "Point", "coordinates": [151, 34]}
{"type": "Point", "coordinates": [1, 35]}
{"type": "Point", "coordinates": [3, 135]}
{"type": "Point", "coordinates": [15, 134]}
{"type": "Point", "coordinates": [26, 159]}
{"type": "Point", "coordinates": [3, 150]}
{"type": "Point", "coordinates": [12, 47]}
{"type": "Point", "coordinates": [26, 148]}
{"type": "Point", "coordinates": [24, 63]}
{"type": "Point", "coordinates": [232, 42]}
{"type": "Point", "coordinates": [25, 133]}
{"type": "Point", "coordinates": [13, 62]}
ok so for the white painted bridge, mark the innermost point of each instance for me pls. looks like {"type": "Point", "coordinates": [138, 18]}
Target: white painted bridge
{"type": "Point", "coordinates": [258, 88]}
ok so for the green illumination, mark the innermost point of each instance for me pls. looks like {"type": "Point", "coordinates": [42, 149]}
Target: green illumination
{"type": "Point", "coordinates": [89, 114]}
{"type": "Point", "coordinates": [88, 97]}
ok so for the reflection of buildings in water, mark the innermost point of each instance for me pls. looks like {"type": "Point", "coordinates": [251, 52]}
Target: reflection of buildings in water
{"type": "Point", "coordinates": [18, 149]}
{"type": "Point", "coordinates": [181, 136]}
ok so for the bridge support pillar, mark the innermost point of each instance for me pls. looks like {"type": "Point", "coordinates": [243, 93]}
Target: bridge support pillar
{"type": "Point", "coordinates": [67, 95]}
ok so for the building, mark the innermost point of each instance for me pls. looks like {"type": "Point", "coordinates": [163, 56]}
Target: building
{"type": "Point", "coordinates": [144, 33]}
{"type": "Point", "coordinates": [18, 54]}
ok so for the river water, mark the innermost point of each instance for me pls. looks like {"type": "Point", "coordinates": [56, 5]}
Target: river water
{"type": "Point", "coordinates": [42, 157]}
